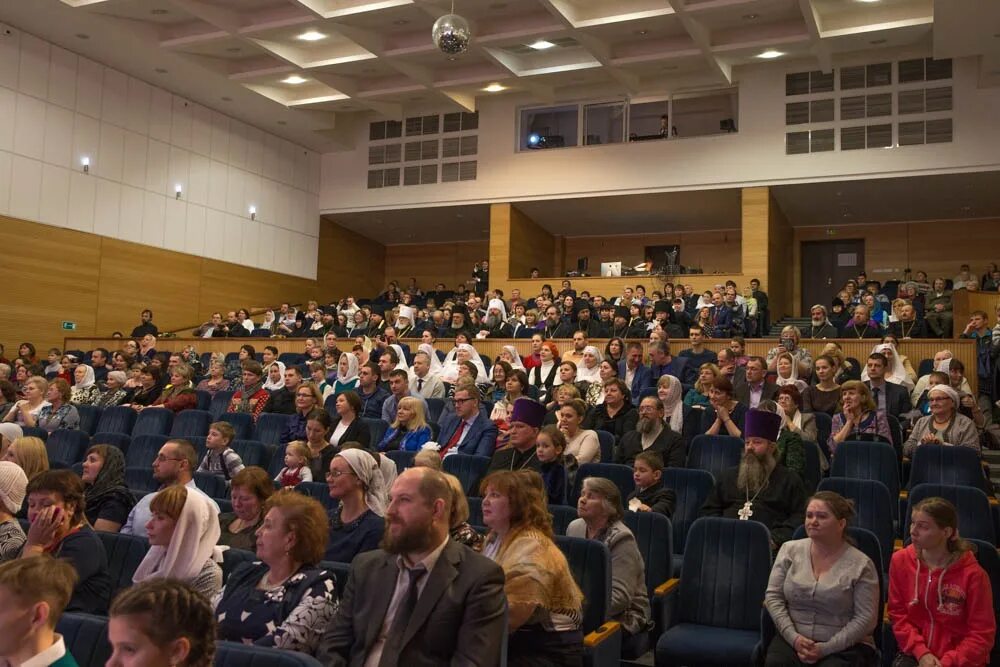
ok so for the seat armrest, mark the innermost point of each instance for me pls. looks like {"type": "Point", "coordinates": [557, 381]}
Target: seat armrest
{"type": "Point", "coordinates": [666, 587]}
{"type": "Point", "coordinates": [602, 634]}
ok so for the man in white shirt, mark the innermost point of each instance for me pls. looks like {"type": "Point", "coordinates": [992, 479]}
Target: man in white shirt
{"type": "Point", "coordinates": [33, 594]}
{"type": "Point", "coordinates": [174, 464]}
{"type": "Point", "coordinates": [422, 383]}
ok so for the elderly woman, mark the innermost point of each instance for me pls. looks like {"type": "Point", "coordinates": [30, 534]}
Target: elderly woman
{"type": "Point", "coordinates": [668, 390]}
{"type": "Point", "coordinates": [858, 418]}
{"type": "Point", "coordinates": [600, 514]}
{"type": "Point", "coordinates": [727, 415]}
{"type": "Point", "coordinates": [182, 531]}
{"type": "Point", "coordinates": [543, 376]}
{"type": "Point", "coordinates": [823, 593]}
{"type": "Point", "coordinates": [789, 400]}
{"type": "Point", "coordinates": [825, 394]}
{"type": "Point", "coordinates": [180, 393]}
{"type": "Point", "coordinates": [283, 600]}
{"type": "Point", "coordinates": [347, 374]}
{"type": "Point", "coordinates": [216, 380]}
{"type": "Point", "coordinates": [944, 425]}
{"type": "Point", "coordinates": [85, 390]}
{"type": "Point", "coordinates": [149, 389]}
{"type": "Point", "coordinates": [409, 431]}
{"type": "Point", "coordinates": [25, 411]}
{"type": "Point", "coordinates": [790, 344]}
{"type": "Point", "coordinates": [13, 484]}
{"type": "Point", "coordinates": [698, 394]}
{"type": "Point", "coordinates": [355, 480]}
{"type": "Point", "coordinates": [251, 488]}
{"type": "Point", "coordinates": [108, 499]}
{"type": "Point", "coordinates": [908, 371]}
{"type": "Point", "coordinates": [461, 353]}
{"type": "Point", "coordinates": [589, 370]}
{"type": "Point", "coordinates": [545, 606]}
{"type": "Point", "coordinates": [59, 413]}
{"type": "Point", "coordinates": [788, 372]}
{"type": "Point", "coordinates": [607, 370]}
{"type": "Point", "coordinates": [582, 444]}
{"type": "Point", "coordinates": [115, 392]}
{"type": "Point", "coordinates": [8, 434]}
{"type": "Point", "coordinates": [59, 527]}
{"type": "Point", "coordinates": [510, 355]}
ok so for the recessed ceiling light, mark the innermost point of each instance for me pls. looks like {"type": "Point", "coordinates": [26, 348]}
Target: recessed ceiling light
{"type": "Point", "coordinates": [311, 36]}
{"type": "Point", "coordinates": [769, 54]}
{"type": "Point", "coordinates": [494, 88]}
{"type": "Point", "coordinates": [876, 42]}
{"type": "Point", "coordinates": [82, 35]}
{"type": "Point", "coordinates": [160, 70]}
{"type": "Point", "coordinates": [294, 79]}
{"type": "Point", "coordinates": [401, 22]}
{"type": "Point", "coordinates": [641, 33]}
{"type": "Point", "coordinates": [751, 17]}
{"type": "Point", "coordinates": [541, 45]}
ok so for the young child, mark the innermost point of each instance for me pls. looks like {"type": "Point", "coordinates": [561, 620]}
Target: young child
{"type": "Point", "coordinates": [549, 447]}
{"type": "Point", "coordinates": [427, 458]}
{"type": "Point", "coordinates": [650, 495]}
{"type": "Point", "coordinates": [296, 468]}
{"type": "Point", "coordinates": [33, 594]}
{"type": "Point", "coordinates": [220, 459]}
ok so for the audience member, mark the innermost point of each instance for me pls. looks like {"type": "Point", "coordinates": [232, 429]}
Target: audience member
{"type": "Point", "coordinates": [525, 422]}
{"type": "Point", "coordinates": [543, 376]}
{"type": "Point", "coordinates": [944, 425]}
{"type": "Point", "coordinates": [724, 416]}
{"type": "Point", "coordinates": [823, 593]}
{"type": "Point", "coordinates": [252, 397]}
{"type": "Point", "coordinates": [790, 345]}
{"type": "Point", "coordinates": [859, 418]}
{"type": "Point", "coordinates": [282, 401]}
{"type": "Point", "coordinates": [697, 395]}
{"type": "Point", "coordinates": [668, 390]}
{"type": "Point", "coordinates": [348, 426]}
{"type": "Point", "coordinates": [698, 354]}
{"type": "Point", "coordinates": [33, 595]}
{"type": "Point", "coordinates": [419, 570]}
{"type": "Point", "coordinates": [399, 388]}
{"type": "Point", "coordinates": [308, 398]}
{"type": "Point", "coordinates": [823, 396]}
{"type": "Point", "coordinates": [458, 524]}
{"type": "Point", "coordinates": [372, 394]}
{"type": "Point", "coordinates": [220, 459]}
{"type": "Point", "coordinates": [409, 431]}
{"type": "Point", "coordinates": [59, 527]}
{"type": "Point", "coordinates": [85, 390]}
{"type": "Point", "coordinates": [13, 486]}
{"type": "Point", "coordinates": [25, 411]}
{"type": "Point", "coordinates": [297, 469]}
{"type": "Point", "coordinates": [283, 600]}
{"type": "Point", "coordinates": [467, 430]}
{"type": "Point", "coordinates": [216, 380]}
{"type": "Point", "coordinates": [149, 388]}
{"type": "Point", "coordinates": [650, 495]}
{"type": "Point", "coordinates": [8, 434]}
{"type": "Point", "coordinates": [183, 531]}
{"type": "Point", "coordinates": [754, 388]}
{"type": "Point", "coordinates": [652, 434]}
{"type": "Point", "coordinates": [108, 500]}
{"type": "Point", "coordinates": [940, 599]}
{"type": "Point", "coordinates": [424, 381]}
{"type": "Point", "coordinates": [29, 453]}
{"type": "Point", "coordinates": [760, 488]}
{"type": "Point", "coordinates": [581, 444]}
{"type": "Point", "coordinates": [600, 514]}
{"type": "Point", "coordinates": [889, 398]}
{"type": "Point", "coordinates": [860, 325]}
{"type": "Point", "coordinates": [59, 413]}
{"type": "Point", "coordinates": [161, 623]}
{"type": "Point", "coordinates": [633, 372]}
{"type": "Point", "coordinates": [356, 524]}
{"type": "Point", "coordinates": [115, 392]}
{"type": "Point", "coordinates": [820, 325]}
{"type": "Point", "coordinates": [615, 414]}
{"type": "Point", "coordinates": [939, 318]}
{"type": "Point", "coordinates": [549, 447]}
{"type": "Point", "coordinates": [787, 372]}
{"type": "Point", "coordinates": [793, 418]}
{"type": "Point", "coordinates": [250, 490]}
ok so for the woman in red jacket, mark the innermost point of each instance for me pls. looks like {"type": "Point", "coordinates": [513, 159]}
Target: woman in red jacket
{"type": "Point", "coordinates": [940, 600]}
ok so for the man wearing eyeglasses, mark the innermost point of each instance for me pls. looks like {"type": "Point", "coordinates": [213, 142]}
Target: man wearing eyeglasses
{"type": "Point", "coordinates": [174, 464]}
{"type": "Point", "coordinates": [468, 430]}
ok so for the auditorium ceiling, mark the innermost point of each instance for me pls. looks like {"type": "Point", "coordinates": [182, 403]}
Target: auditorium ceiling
{"type": "Point", "coordinates": [309, 69]}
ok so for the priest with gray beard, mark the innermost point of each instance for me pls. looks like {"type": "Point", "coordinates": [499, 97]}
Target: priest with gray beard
{"type": "Point", "coordinates": [652, 433]}
{"type": "Point", "coordinates": [760, 489]}
{"type": "Point", "coordinates": [494, 325]}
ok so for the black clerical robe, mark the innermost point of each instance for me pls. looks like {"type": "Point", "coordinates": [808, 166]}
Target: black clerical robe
{"type": "Point", "coordinates": [780, 506]}
{"type": "Point", "coordinates": [512, 459]}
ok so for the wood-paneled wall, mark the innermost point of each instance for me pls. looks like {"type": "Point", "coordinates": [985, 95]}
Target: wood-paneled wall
{"type": "Point", "coordinates": [964, 302]}
{"type": "Point", "coordinates": [713, 251]}
{"type": "Point", "coordinates": [530, 246]}
{"type": "Point", "coordinates": [938, 247]}
{"type": "Point", "coordinates": [432, 263]}
{"type": "Point", "coordinates": [779, 264]}
{"type": "Point", "coordinates": [348, 263]}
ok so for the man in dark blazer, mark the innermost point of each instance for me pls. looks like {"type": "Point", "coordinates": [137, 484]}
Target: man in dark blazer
{"type": "Point", "coordinates": [642, 377]}
{"type": "Point", "coordinates": [891, 398]}
{"type": "Point", "coordinates": [455, 615]}
{"type": "Point", "coordinates": [754, 388]}
{"type": "Point", "coordinates": [479, 434]}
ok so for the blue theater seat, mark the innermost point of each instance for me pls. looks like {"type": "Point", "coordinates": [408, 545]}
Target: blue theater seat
{"type": "Point", "coordinates": [469, 469]}
{"type": "Point", "coordinates": [872, 502]}
{"type": "Point", "coordinates": [269, 427]}
{"type": "Point", "coordinates": [945, 464]}
{"type": "Point", "coordinates": [869, 460]}
{"type": "Point", "coordinates": [143, 450]}
{"type": "Point", "coordinates": [621, 475]}
{"type": "Point", "coordinates": [213, 486]}
{"type": "Point", "coordinates": [67, 446]}
{"type": "Point", "coordinates": [318, 490]}
{"type": "Point", "coordinates": [90, 415]}
{"type": "Point", "coordinates": [402, 459]}
{"type": "Point", "coordinates": [119, 440]}
{"type": "Point", "coordinates": [232, 654]}
{"type": "Point", "coordinates": [714, 453]}
{"type": "Point", "coordinates": [125, 552]}
{"type": "Point", "coordinates": [118, 419]}
{"type": "Point", "coordinates": [220, 403]}
{"type": "Point", "coordinates": [252, 452]}
{"type": "Point", "coordinates": [241, 422]}
{"type": "Point", "coordinates": [191, 423]}
{"type": "Point", "coordinates": [692, 488]}
{"type": "Point", "coordinates": [590, 563]}
{"type": "Point", "coordinates": [975, 520]}
{"type": "Point", "coordinates": [86, 638]}
{"type": "Point", "coordinates": [153, 421]}
{"type": "Point", "coordinates": [607, 443]}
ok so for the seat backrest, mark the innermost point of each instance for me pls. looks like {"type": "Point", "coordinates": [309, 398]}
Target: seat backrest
{"type": "Point", "coordinates": [475, 511]}
{"type": "Point", "coordinates": [277, 461]}
{"type": "Point", "coordinates": [220, 403]}
{"type": "Point", "coordinates": [975, 519]}
{"type": "Point", "coordinates": [607, 443]}
{"type": "Point", "coordinates": [872, 501]}
{"type": "Point", "coordinates": [402, 458]}
{"type": "Point", "coordinates": [143, 449]}
{"type": "Point", "coordinates": [252, 452]}
{"type": "Point", "coordinates": [714, 453]}
{"type": "Point", "coordinates": [233, 557]}
{"type": "Point", "coordinates": [824, 424]}
{"type": "Point", "coordinates": [590, 563]}
{"type": "Point", "coordinates": [212, 485]}
{"type": "Point", "coordinates": [946, 464]}
{"type": "Point", "coordinates": [692, 488]}
{"type": "Point", "coordinates": [140, 479]}
{"type": "Point", "coordinates": [341, 571]}
{"type": "Point", "coordinates": [35, 432]}
{"type": "Point", "coordinates": [692, 424]}
{"type": "Point", "coordinates": [867, 460]}
{"type": "Point", "coordinates": [434, 408]}
{"type": "Point", "coordinates": [85, 637]}
{"type": "Point", "coordinates": [621, 475]}
{"type": "Point", "coordinates": [726, 566]}
{"type": "Point", "coordinates": [260, 333]}
{"type": "Point", "coordinates": [233, 654]}
{"type": "Point", "coordinates": [469, 469]}
{"type": "Point", "coordinates": [90, 415]}
{"type": "Point", "coordinates": [190, 423]}
{"type": "Point", "coordinates": [119, 440]}
{"type": "Point", "coordinates": [125, 552]}
{"type": "Point", "coordinates": [269, 427]}
{"type": "Point", "coordinates": [155, 421]}
{"type": "Point", "coordinates": [67, 446]}
{"type": "Point", "coordinates": [204, 399]}
{"type": "Point", "coordinates": [377, 427]}
{"type": "Point", "coordinates": [562, 516]}
{"type": "Point", "coordinates": [118, 419]}
{"type": "Point", "coordinates": [989, 560]}
{"type": "Point", "coordinates": [654, 536]}
{"type": "Point", "coordinates": [318, 490]}
{"type": "Point", "coordinates": [925, 367]}
{"type": "Point", "coordinates": [814, 470]}
{"type": "Point", "coordinates": [291, 358]}
{"type": "Point", "coordinates": [241, 422]}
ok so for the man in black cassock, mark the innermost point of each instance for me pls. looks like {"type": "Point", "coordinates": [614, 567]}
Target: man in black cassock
{"type": "Point", "coordinates": [760, 488]}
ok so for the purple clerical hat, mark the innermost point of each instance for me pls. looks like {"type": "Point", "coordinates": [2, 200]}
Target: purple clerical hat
{"type": "Point", "coordinates": [762, 424]}
{"type": "Point", "coordinates": [528, 412]}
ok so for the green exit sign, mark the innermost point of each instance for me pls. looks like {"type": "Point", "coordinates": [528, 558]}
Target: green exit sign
{"type": "Point", "coordinates": [69, 326]}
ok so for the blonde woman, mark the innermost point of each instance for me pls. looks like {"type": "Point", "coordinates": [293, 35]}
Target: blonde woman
{"type": "Point", "coordinates": [698, 394]}
{"type": "Point", "coordinates": [25, 412]}
{"type": "Point", "coordinates": [858, 419]}
{"type": "Point", "coordinates": [30, 454]}
{"type": "Point", "coordinates": [410, 430]}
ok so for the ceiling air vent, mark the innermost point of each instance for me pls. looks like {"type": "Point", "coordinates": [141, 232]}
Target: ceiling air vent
{"type": "Point", "coordinates": [939, 99]}
{"type": "Point", "coordinates": [910, 101]}
{"type": "Point", "coordinates": [852, 138]}
{"type": "Point", "coordinates": [939, 131]}
{"type": "Point", "coordinates": [911, 134]}
{"type": "Point", "coordinates": [852, 107]}
{"type": "Point", "coordinates": [821, 141]}
{"type": "Point", "coordinates": [879, 136]}
{"type": "Point", "coordinates": [524, 49]}
{"type": "Point", "coordinates": [796, 143]}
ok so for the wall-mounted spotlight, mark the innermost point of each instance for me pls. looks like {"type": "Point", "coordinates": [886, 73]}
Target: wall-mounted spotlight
{"type": "Point", "coordinates": [177, 190]}
{"type": "Point", "coordinates": [253, 212]}
{"type": "Point", "coordinates": [85, 163]}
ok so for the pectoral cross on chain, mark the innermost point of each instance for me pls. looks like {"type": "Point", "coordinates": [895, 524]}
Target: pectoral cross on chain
{"type": "Point", "coordinates": [745, 512]}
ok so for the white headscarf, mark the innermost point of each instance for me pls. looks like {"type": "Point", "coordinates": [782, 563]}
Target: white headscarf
{"type": "Point", "coordinates": [673, 407]}
{"type": "Point", "coordinates": [268, 319]}
{"type": "Point", "coordinates": [947, 391]}
{"type": "Point", "coordinates": [517, 364]}
{"type": "Point", "coordinates": [195, 536]}
{"type": "Point", "coordinates": [370, 473]}
{"type": "Point", "coordinates": [352, 368]}
{"type": "Point", "coordinates": [499, 305]}
{"type": "Point", "coordinates": [794, 379]}
{"type": "Point", "coordinates": [584, 374]}
{"type": "Point", "coordinates": [401, 365]}
{"type": "Point", "coordinates": [896, 373]}
{"type": "Point", "coordinates": [449, 372]}
{"type": "Point", "coordinates": [436, 366]}
{"type": "Point", "coordinates": [89, 379]}
{"type": "Point", "coordinates": [280, 384]}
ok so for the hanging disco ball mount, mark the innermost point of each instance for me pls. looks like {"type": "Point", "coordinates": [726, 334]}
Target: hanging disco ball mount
{"type": "Point", "coordinates": [451, 34]}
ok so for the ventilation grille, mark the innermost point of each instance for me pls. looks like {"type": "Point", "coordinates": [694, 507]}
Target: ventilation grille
{"type": "Point", "coordinates": [524, 49]}
{"type": "Point", "coordinates": [422, 157]}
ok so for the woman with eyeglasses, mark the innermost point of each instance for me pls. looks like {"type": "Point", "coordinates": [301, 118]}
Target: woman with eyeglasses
{"type": "Point", "coordinates": [355, 480]}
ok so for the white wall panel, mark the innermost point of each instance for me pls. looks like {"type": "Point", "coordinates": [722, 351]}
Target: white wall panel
{"type": "Point", "coordinates": [234, 192]}
{"type": "Point", "coordinates": [198, 179]}
{"type": "Point", "coordinates": [287, 162]}
{"type": "Point", "coordinates": [54, 206]}
{"type": "Point", "coordinates": [237, 145]}
{"type": "Point", "coordinates": [250, 241]}
{"type": "Point", "coordinates": [107, 208]}
{"type": "Point", "coordinates": [8, 113]}
{"type": "Point", "coordinates": [255, 150]}
{"type": "Point", "coordinates": [86, 140]}
{"type": "Point", "coordinates": [10, 59]}
{"type": "Point", "coordinates": [267, 201]}
{"type": "Point", "coordinates": [217, 184]}
{"type": "Point", "coordinates": [201, 131]}
{"type": "Point", "coordinates": [89, 87]}
{"type": "Point", "coordinates": [232, 249]}
{"type": "Point", "coordinates": [156, 166]}
{"type": "Point", "coordinates": [114, 100]}
{"type": "Point", "coordinates": [111, 151]}
{"type": "Point", "coordinates": [130, 224]}
{"type": "Point", "coordinates": [179, 172]}
{"type": "Point", "coordinates": [175, 224]}
{"type": "Point", "coordinates": [25, 188]}
{"type": "Point", "coordinates": [139, 95]}
{"type": "Point", "coordinates": [181, 122]}
{"type": "Point", "coordinates": [33, 70]}
{"type": "Point", "coordinates": [59, 136]}
{"type": "Point", "coordinates": [220, 137]}
{"type": "Point", "coordinates": [82, 196]}
{"type": "Point", "coordinates": [272, 157]}
{"type": "Point", "coordinates": [134, 160]}
{"type": "Point", "coordinates": [215, 232]}
{"type": "Point", "coordinates": [160, 115]}
{"type": "Point", "coordinates": [153, 210]}
{"type": "Point", "coordinates": [265, 247]}
{"type": "Point", "coordinates": [194, 236]}
{"type": "Point", "coordinates": [5, 173]}
{"type": "Point", "coordinates": [29, 127]}
{"type": "Point", "coordinates": [62, 77]}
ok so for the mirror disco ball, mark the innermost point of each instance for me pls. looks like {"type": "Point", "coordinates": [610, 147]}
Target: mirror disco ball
{"type": "Point", "coordinates": [452, 34]}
